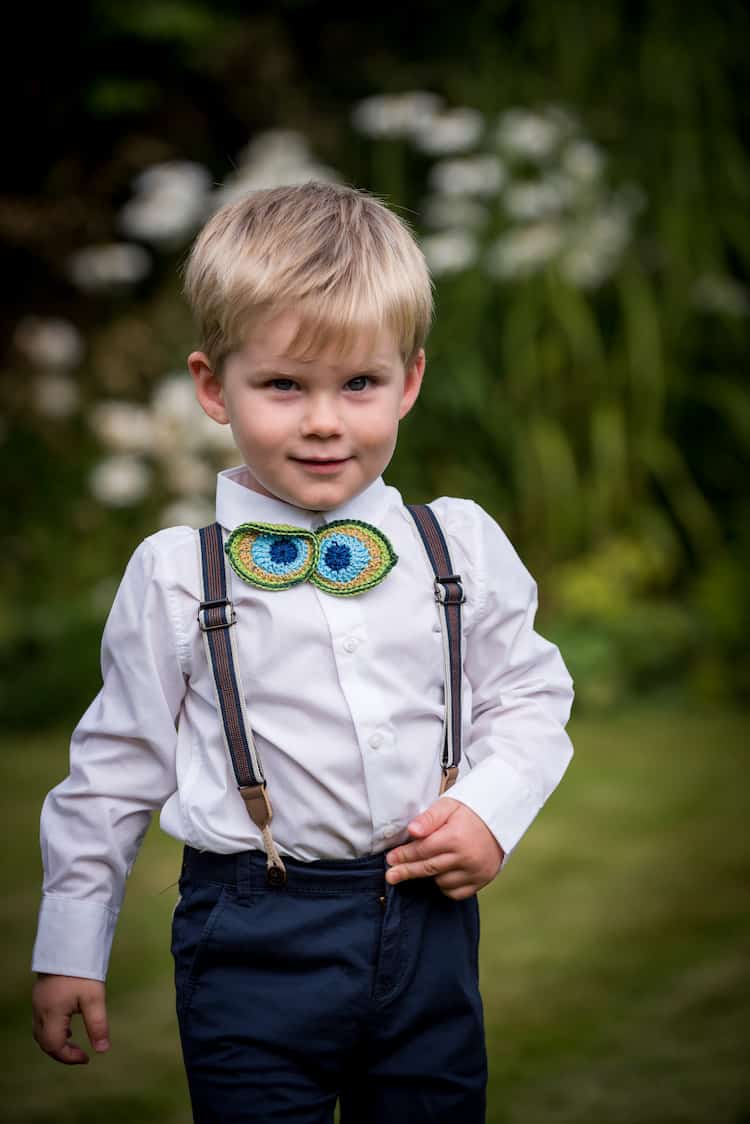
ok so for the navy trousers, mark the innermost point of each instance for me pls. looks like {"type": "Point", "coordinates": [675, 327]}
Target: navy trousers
{"type": "Point", "coordinates": [335, 986]}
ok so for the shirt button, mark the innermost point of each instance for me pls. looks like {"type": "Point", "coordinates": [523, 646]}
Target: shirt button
{"type": "Point", "coordinates": [376, 740]}
{"type": "Point", "coordinates": [390, 830]}
{"type": "Point", "coordinates": [351, 644]}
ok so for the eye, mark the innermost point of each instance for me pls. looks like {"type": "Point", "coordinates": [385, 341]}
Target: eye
{"type": "Point", "coordinates": [360, 382]}
{"type": "Point", "coordinates": [282, 384]}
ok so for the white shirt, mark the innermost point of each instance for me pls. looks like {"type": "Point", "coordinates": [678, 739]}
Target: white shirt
{"type": "Point", "coordinates": [345, 699]}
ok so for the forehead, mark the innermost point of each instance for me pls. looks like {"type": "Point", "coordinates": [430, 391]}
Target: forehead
{"type": "Point", "coordinates": [289, 337]}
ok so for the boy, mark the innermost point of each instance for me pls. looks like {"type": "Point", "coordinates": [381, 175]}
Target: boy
{"type": "Point", "coordinates": [325, 944]}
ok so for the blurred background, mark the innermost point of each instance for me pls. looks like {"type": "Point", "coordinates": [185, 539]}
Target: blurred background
{"type": "Point", "coordinates": [579, 178]}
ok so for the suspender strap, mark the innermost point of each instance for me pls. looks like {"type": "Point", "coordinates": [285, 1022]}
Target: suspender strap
{"type": "Point", "coordinates": [215, 617]}
{"type": "Point", "coordinates": [448, 593]}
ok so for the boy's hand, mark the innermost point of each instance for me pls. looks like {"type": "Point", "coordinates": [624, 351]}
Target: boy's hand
{"type": "Point", "coordinates": [54, 1000]}
{"type": "Point", "coordinates": [453, 845]}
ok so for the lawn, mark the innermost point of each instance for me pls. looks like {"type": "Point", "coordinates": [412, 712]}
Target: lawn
{"type": "Point", "coordinates": [614, 961]}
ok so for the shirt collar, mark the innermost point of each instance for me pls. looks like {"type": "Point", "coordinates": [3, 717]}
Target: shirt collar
{"type": "Point", "coordinates": [237, 503]}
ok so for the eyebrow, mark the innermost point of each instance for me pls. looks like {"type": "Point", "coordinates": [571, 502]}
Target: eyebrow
{"type": "Point", "coordinates": [277, 369]}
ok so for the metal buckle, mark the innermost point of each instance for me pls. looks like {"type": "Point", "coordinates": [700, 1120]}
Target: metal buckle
{"type": "Point", "coordinates": [205, 605]}
{"type": "Point", "coordinates": [445, 592]}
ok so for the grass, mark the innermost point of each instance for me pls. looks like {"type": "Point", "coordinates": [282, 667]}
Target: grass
{"type": "Point", "coordinates": [613, 965]}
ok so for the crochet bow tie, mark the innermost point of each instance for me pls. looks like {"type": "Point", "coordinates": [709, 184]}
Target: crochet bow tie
{"type": "Point", "coordinates": [344, 557]}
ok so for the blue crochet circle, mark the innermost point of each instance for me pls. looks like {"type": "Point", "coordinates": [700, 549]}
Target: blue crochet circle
{"type": "Point", "coordinates": [338, 556]}
{"type": "Point", "coordinates": [343, 557]}
{"type": "Point", "coordinates": [284, 550]}
{"type": "Point", "coordinates": [276, 554]}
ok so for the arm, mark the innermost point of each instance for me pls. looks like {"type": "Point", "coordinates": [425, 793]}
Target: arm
{"type": "Point", "coordinates": [122, 768]}
{"type": "Point", "coordinates": [518, 749]}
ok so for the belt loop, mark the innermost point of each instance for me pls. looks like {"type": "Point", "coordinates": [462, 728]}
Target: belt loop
{"type": "Point", "coordinates": [242, 874]}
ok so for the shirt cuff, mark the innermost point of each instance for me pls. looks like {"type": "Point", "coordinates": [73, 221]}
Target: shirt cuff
{"type": "Point", "coordinates": [74, 938]}
{"type": "Point", "coordinates": [495, 791]}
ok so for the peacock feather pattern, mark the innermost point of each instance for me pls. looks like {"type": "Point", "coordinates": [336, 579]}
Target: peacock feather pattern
{"type": "Point", "coordinates": [344, 557]}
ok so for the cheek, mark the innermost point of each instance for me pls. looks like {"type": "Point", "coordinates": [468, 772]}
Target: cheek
{"type": "Point", "coordinates": [262, 427]}
{"type": "Point", "coordinates": [379, 429]}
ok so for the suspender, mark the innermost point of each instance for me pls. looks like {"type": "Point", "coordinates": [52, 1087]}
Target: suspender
{"type": "Point", "coordinates": [450, 594]}
{"type": "Point", "coordinates": [216, 615]}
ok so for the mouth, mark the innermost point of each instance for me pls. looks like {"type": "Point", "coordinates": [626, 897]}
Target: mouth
{"type": "Point", "coordinates": [320, 460]}
{"type": "Point", "coordinates": [321, 464]}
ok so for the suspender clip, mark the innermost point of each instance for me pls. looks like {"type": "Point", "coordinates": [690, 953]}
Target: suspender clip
{"type": "Point", "coordinates": [229, 616]}
{"type": "Point", "coordinates": [448, 590]}
{"type": "Point", "coordinates": [449, 777]}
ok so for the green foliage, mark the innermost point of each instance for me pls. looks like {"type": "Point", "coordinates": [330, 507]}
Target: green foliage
{"type": "Point", "coordinates": [604, 419]}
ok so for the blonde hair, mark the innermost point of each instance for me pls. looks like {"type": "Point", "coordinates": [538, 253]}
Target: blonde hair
{"type": "Point", "coordinates": [335, 254]}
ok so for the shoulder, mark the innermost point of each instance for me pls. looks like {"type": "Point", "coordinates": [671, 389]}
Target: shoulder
{"type": "Point", "coordinates": [467, 525]}
{"type": "Point", "coordinates": [170, 542]}
{"type": "Point", "coordinates": [480, 550]}
{"type": "Point", "coordinates": [160, 586]}
{"type": "Point", "coordinates": [167, 557]}
{"type": "Point", "coordinates": [459, 523]}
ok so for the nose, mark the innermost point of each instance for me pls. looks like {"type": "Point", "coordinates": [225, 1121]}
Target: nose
{"type": "Point", "coordinates": [320, 418]}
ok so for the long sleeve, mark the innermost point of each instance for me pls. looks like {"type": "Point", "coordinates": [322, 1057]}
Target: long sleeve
{"type": "Point", "coordinates": [521, 695]}
{"type": "Point", "coordinates": [122, 768]}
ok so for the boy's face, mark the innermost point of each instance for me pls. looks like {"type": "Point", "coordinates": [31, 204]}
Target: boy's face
{"type": "Point", "coordinates": [313, 432]}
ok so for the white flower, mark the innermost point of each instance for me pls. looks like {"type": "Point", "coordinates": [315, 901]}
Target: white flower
{"type": "Point", "coordinates": [57, 396]}
{"type": "Point", "coordinates": [188, 175]}
{"type": "Point", "coordinates": [597, 247]}
{"type": "Point", "coordinates": [396, 115]}
{"type": "Point", "coordinates": [108, 265]}
{"type": "Point", "coordinates": [193, 512]}
{"type": "Point", "coordinates": [188, 475]}
{"type": "Point", "coordinates": [450, 251]}
{"type": "Point", "coordinates": [176, 416]}
{"type": "Point", "coordinates": [170, 203]}
{"type": "Point", "coordinates": [272, 159]}
{"type": "Point", "coordinates": [174, 397]}
{"type": "Point", "coordinates": [50, 342]}
{"type": "Point", "coordinates": [123, 426]}
{"type": "Point", "coordinates": [523, 251]}
{"type": "Point", "coordinates": [179, 422]}
{"type": "Point", "coordinates": [456, 130]}
{"type": "Point", "coordinates": [524, 200]}
{"type": "Point", "coordinates": [582, 161]}
{"type": "Point", "coordinates": [528, 135]}
{"type": "Point", "coordinates": [453, 211]}
{"type": "Point", "coordinates": [120, 481]}
{"type": "Point", "coordinates": [471, 175]}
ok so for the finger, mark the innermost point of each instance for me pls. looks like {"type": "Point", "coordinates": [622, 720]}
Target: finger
{"type": "Point", "coordinates": [461, 883]}
{"type": "Point", "coordinates": [419, 849]}
{"type": "Point", "coordinates": [69, 1054]}
{"type": "Point", "coordinates": [453, 879]}
{"type": "Point", "coordinates": [94, 1011]}
{"type": "Point", "coordinates": [434, 816]}
{"type": "Point", "coordinates": [51, 1033]}
{"type": "Point", "coordinates": [426, 868]}
{"type": "Point", "coordinates": [441, 841]}
{"type": "Point", "coordinates": [458, 893]}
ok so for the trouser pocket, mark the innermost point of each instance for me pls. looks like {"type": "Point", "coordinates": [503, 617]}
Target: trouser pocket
{"type": "Point", "coordinates": [195, 918]}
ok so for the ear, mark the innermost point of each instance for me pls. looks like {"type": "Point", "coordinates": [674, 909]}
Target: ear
{"type": "Point", "coordinates": [412, 383]}
{"type": "Point", "coordinates": [209, 389]}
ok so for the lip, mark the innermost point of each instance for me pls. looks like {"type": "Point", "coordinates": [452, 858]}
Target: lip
{"type": "Point", "coordinates": [321, 464]}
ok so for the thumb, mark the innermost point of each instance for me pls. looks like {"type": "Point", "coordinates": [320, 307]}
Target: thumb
{"type": "Point", "coordinates": [94, 1012]}
{"type": "Point", "coordinates": [433, 817]}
